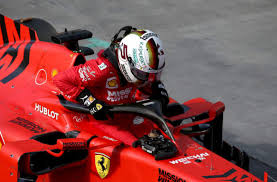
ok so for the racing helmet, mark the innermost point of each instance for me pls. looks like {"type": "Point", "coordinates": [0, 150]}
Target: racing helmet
{"type": "Point", "coordinates": [141, 56]}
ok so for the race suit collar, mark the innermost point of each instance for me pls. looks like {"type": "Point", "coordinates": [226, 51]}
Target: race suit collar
{"type": "Point", "coordinates": [109, 54]}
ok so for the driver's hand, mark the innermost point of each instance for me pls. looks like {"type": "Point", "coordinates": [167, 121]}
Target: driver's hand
{"type": "Point", "coordinates": [159, 92]}
{"type": "Point", "coordinates": [97, 108]}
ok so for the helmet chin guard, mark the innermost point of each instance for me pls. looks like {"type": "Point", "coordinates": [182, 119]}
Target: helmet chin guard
{"type": "Point", "coordinates": [141, 56]}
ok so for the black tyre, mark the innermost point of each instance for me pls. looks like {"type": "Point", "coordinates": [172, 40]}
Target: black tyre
{"type": "Point", "coordinates": [43, 28]}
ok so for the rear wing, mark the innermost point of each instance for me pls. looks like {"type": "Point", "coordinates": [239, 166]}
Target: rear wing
{"type": "Point", "coordinates": [11, 31]}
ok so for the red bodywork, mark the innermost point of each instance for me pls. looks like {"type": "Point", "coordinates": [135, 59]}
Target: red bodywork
{"type": "Point", "coordinates": [29, 107]}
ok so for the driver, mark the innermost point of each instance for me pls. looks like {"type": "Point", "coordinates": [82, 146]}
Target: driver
{"type": "Point", "coordinates": [127, 71]}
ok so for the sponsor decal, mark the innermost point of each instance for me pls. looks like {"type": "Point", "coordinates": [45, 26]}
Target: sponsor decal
{"type": "Point", "coordinates": [135, 56]}
{"type": "Point", "coordinates": [2, 141]}
{"type": "Point", "coordinates": [114, 96]}
{"type": "Point", "coordinates": [124, 51]}
{"type": "Point", "coordinates": [140, 54]}
{"type": "Point", "coordinates": [160, 85]}
{"type": "Point", "coordinates": [230, 176]}
{"type": "Point", "coordinates": [147, 35]}
{"type": "Point", "coordinates": [91, 99]}
{"type": "Point", "coordinates": [102, 66]}
{"type": "Point", "coordinates": [41, 77]}
{"type": "Point", "coordinates": [11, 32]}
{"type": "Point", "coordinates": [85, 73]}
{"type": "Point", "coordinates": [79, 118]}
{"type": "Point", "coordinates": [75, 145]}
{"type": "Point", "coordinates": [28, 125]}
{"type": "Point", "coordinates": [165, 176]}
{"type": "Point", "coordinates": [87, 100]}
{"type": "Point", "coordinates": [99, 106]}
{"type": "Point", "coordinates": [102, 164]}
{"type": "Point", "coordinates": [96, 108]}
{"type": "Point", "coordinates": [84, 98]}
{"type": "Point", "coordinates": [186, 160]}
{"type": "Point", "coordinates": [46, 111]}
{"type": "Point", "coordinates": [125, 73]}
{"type": "Point", "coordinates": [111, 83]}
{"type": "Point", "coordinates": [138, 120]}
{"type": "Point", "coordinates": [109, 138]}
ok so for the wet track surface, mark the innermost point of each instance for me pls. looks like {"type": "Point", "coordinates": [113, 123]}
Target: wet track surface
{"type": "Point", "coordinates": [218, 49]}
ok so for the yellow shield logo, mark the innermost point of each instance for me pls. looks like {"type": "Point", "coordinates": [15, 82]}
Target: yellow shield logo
{"type": "Point", "coordinates": [91, 99]}
{"type": "Point", "coordinates": [99, 106]}
{"type": "Point", "coordinates": [102, 164]}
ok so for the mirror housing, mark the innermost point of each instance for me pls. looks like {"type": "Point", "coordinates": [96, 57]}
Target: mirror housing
{"type": "Point", "coordinates": [203, 125]}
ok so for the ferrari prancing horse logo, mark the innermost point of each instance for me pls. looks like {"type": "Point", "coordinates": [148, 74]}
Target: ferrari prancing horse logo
{"type": "Point", "coordinates": [102, 164]}
{"type": "Point", "coordinates": [111, 83]}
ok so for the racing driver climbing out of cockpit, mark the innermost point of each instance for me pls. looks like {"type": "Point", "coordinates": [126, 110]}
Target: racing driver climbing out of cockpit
{"type": "Point", "coordinates": [127, 71]}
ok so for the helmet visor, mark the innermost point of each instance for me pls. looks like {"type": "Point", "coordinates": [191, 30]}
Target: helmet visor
{"type": "Point", "coordinates": [141, 75]}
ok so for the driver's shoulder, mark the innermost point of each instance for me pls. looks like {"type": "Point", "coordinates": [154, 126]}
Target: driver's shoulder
{"type": "Point", "coordinates": [100, 65]}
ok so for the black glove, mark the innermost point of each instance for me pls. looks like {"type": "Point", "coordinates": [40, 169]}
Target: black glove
{"type": "Point", "coordinates": [97, 108]}
{"type": "Point", "coordinates": [159, 92]}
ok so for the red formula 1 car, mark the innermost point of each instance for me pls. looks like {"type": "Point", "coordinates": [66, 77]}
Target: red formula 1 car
{"type": "Point", "coordinates": [45, 138]}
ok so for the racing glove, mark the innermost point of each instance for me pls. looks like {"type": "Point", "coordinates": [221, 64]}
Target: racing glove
{"type": "Point", "coordinates": [159, 92]}
{"type": "Point", "coordinates": [97, 108]}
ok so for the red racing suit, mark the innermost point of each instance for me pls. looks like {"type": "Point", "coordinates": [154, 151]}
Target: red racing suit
{"type": "Point", "coordinates": [100, 77]}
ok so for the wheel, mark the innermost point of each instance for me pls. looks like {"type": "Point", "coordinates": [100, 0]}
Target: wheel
{"type": "Point", "coordinates": [43, 28]}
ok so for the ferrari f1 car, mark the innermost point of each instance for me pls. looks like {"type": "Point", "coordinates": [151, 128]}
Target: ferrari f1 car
{"type": "Point", "coordinates": [45, 138]}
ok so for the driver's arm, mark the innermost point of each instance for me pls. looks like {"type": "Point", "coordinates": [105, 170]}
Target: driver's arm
{"type": "Point", "coordinates": [69, 83]}
{"type": "Point", "coordinates": [74, 83]}
{"type": "Point", "coordinates": [74, 80]}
